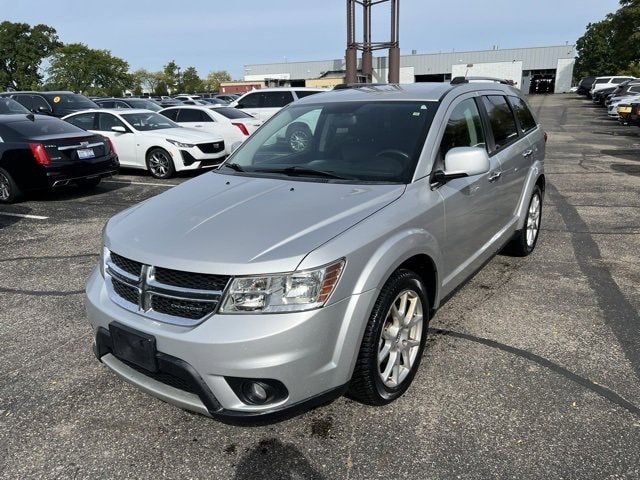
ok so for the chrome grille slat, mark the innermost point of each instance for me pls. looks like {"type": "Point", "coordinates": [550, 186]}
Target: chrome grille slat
{"type": "Point", "coordinates": [170, 296]}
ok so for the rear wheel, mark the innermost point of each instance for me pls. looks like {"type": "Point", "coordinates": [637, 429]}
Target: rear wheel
{"type": "Point", "coordinates": [525, 240]}
{"type": "Point", "coordinates": [9, 190]}
{"type": "Point", "coordinates": [160, 163]}
{"type": "Point", "coordinates": [393, 342]}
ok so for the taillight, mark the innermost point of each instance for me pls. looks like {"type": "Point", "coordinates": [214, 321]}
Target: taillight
{"type": "Point", "coordinates": [242, 128]}
{"type": "Point", "coordinates": [40, 154]}
{"type": "Point", "coordinates": [111, 147]}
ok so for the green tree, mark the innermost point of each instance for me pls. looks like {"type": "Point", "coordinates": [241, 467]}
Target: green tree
{"type": "Point", "coordinates": [611, 46]}
{"type": "Point", "coordinates": [22, 49]}
{"type": "Point", "coordinates": [93, 72]}
{"type": "Point", "coordinates": [215, 78]}
{"type": "Point", "coordinates": [190, 81]}
{"type": "Point", "coordinates": [171, 77]}
{"type": "Point", "coordinates": [148, 81]}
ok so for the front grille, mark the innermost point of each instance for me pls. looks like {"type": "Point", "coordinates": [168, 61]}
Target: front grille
{"type": "Point", "coordinates": [199, 281]}
{"type": "Point", "coordinates": [129, 266]}
{"type": "Point", "coordinates": [214, 147]}
{"type": "Point", "coordinates": [165, 378]}
{"type": "Point", "coordinates": [167, 295]}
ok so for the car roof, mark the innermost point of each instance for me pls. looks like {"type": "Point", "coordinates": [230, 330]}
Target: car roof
{"type": "Point", "coordinates": [427, 91]}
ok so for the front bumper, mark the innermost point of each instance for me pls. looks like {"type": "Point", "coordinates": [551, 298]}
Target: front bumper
{"type": "Point", "coordinates": [311, 354]}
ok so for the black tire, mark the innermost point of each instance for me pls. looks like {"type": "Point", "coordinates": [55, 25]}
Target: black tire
{"type": "Point", "coordinates": [9, 190]}
{"type": "Point", "coordinates": [298, 137]}
{"type": "Point", "coordinates": [89, 183]}
{"type": "Point", "coordinates": [370, 383]}
{"type": "Point", "coordinates": [160, 164]}
{"type": "Point", "coordinates": [525, 240]}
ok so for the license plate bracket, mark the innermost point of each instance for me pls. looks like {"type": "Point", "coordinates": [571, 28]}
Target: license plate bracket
{"type": "Point", "coordinates": [133, 346]}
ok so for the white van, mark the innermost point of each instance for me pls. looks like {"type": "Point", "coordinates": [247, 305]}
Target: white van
{"type": "Point", "coordinates": [604, 82]}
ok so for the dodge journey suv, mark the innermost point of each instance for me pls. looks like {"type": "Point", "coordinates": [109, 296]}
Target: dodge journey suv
{"type": "Point", "coordinates": [291, 276]}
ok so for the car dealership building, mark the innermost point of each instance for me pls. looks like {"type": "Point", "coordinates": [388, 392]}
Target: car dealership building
{"type": "Point", "coordinates": [534, 70]}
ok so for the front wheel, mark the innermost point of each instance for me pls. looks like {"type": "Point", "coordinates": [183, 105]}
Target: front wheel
{"type": "Point", "coordinates": [393, 342]}
{"type": "Point", "coordinates": [160, 163]}
{"type": "Point", "coordinates": [298, 137]}
{"type": "Point", "coordinates": [525, 240]}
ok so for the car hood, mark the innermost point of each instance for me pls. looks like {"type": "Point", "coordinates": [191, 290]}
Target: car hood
{"type": "Point", "coordinates": [236, 225]}
{"type": "Point", "coordinates": [182, 134]}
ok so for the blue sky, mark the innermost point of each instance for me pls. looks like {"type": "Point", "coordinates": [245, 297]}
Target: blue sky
{"type": "Point", "coordinates": [215, 35]}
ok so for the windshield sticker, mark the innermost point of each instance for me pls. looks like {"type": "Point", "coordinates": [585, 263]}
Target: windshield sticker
{"type": "Point", "coordinates": [56, 99]}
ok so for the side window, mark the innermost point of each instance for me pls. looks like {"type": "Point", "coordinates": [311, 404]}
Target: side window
{"type": "Point", "coordinates": [25, 100]}
{"type": "Point", "coordinates": [525, 117]}
{"type": "Point", "coordinates": [171, 114]}
{"type": "Point", "coordinates": [501, 119]}
{"type": "Point", "coordinates": [84, 121]}
{"type": "Point", "coordinates": [39, 102]}
{"type": "Point", "coordinates": [122, 105]}
{"type": "Point", "coordinates": [277, 99]}
{"type": "Point", "coordinates": [305, 93]}
{"type": "Point", "coordinates": [250, 101]}
{"type": "Point", "coordinates": [189, 115]}
{"type": "Point", "coordinates": [107, 104]}
{"type": "Point", "coordinates": [634, 89]}
{"type": "Point", "coordinates": [464, 128]}
{"type": "Point", "coordinates": [106, 121]}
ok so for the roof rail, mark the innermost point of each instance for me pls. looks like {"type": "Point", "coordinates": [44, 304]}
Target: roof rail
{"type": "Point", "coordinates": [344, 86]}
{"type": "Point", "coordinates": [460, 80]}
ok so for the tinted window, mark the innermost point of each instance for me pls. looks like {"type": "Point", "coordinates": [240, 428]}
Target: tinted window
{"type": "Point", "coordinates": [276, 99]}
{"type": "Point", "coordinates": [106, 122]}
{"type": "Point", "coordinates": [503, 125]}
{"type": "Point", "coordinates": [70, 100]}
{"type": "Point", "coordinates": [122, 104]}
{"type": "Point", "coordinates": [106, 103]}
{"type": "Point", "coordinates": [250, 101]}
{"type": "Point", "coordinates": [230, 112]}
{"type": "Point", "coordinates": [148, 121]}
{"type": "Point", "coordinates": [84, 121]}
{"type": "Point", "coordinates": [602, 80]}
{"type": "Point", "coordinates": [525, 117]}
{"type": "Point", "coordinates": [192, 115]}
{"type": "Point", "coordinates": [172, 114]}
{"type": "Point", "coordinates": [24, 100]}
{"type": "Point", "coordinates": [40, 105]}
{"type": "Point", "coordinates": [305, 93]}
{"type": "Point", "coordinates": [42, 126]}
{"type": "Point", "coordinates": [464, 128]}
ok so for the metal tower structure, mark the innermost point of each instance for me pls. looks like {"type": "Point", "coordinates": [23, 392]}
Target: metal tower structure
{"type": "Point", "coordinates": [367, 46]}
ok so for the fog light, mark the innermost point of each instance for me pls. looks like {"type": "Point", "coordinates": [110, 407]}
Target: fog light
{"type": "Point", "coordinates": [256, 392]}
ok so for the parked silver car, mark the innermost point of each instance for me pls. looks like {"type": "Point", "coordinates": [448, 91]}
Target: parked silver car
{"type": "Point", "coordinates": [289, 276]}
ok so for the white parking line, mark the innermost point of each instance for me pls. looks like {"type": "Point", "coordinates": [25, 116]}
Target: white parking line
{"type": "Point", "coordinates": [21, 215]}
{"type": "Point", "coordinates": [143, 183]}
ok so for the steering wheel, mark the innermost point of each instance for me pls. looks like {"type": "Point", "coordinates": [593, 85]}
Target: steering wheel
{"type": "Point", "coordinates": [393, 152]}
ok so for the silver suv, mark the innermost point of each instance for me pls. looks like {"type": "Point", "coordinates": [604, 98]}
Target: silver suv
{"type": "Point", "coordinates": [288, 277]}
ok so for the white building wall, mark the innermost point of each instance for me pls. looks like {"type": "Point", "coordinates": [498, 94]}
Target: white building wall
{"type": "Point", "coordinates": [502, 70]}
{"type": "Point", "coordinates": [381, 75]}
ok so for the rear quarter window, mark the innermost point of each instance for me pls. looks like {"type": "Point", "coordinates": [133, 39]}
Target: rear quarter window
{"type": "Point", "coordinates": [524, 115]}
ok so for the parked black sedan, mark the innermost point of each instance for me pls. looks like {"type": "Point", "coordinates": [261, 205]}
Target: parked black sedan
{"type": "Point", "coordinates": [39, 152]}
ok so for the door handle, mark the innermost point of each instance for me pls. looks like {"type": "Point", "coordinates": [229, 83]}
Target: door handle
{"type": "Point", "coordinates": [527, 153]}
{"type": "Point", "coordinates": [494, 176]}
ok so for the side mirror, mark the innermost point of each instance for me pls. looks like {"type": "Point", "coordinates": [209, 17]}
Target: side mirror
{"type": "Point", "coordinates": [119, 129]}
{"type": "Point", "coordinates": [462, 162]}
{"type": "Point", "coordinates": [45, 110]}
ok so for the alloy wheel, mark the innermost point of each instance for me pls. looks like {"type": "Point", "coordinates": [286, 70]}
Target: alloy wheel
{"type": "Point", "coordinates": [533, 221]}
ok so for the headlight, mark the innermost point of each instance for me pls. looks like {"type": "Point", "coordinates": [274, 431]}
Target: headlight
{"type": "Point", "coordinates": [287, 292]}
{"type": "Point", "coordinates": [180, 144]}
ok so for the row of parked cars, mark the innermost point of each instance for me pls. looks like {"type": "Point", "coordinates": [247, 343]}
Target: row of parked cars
{"type": "Point", "coordinates": [619, 94]}
{"type": "Point", "coordinates": [190, 134]}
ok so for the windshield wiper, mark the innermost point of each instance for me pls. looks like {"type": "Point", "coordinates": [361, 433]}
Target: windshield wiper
{"type": "Point", "coordinates": [234, 166]}
{"type": "Point", "coordinates": [302, 171]}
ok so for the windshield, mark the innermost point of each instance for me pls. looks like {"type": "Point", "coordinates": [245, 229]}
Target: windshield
{"type": "Point", "coordinates": [149, 121]}
{"type": "Point", "coordinates": [141, 103]}
{"type": "Point", "coordinates": [350, 142]}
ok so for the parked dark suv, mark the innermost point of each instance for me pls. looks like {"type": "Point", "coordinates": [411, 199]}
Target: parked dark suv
{"type": "Point", "coordinates": [57, 104]}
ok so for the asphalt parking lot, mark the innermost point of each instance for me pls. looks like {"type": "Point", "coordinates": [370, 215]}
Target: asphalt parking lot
{"type": "Point", "coordinates": [532, 370]}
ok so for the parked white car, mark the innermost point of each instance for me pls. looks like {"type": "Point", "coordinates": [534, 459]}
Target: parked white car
{"type": "Point", "coordinates": [266, 102]}
{"type": "Point", "coordinates": [612, 108]}
{"type": "Point", "coordinates": [231, 124]}
{"type": "Point", "coordinates": [147, 140]}
{"type": "Point", "coordinates": [604, 82]}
